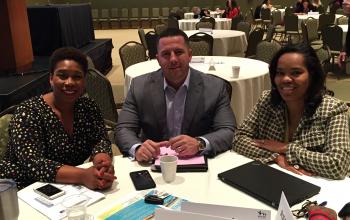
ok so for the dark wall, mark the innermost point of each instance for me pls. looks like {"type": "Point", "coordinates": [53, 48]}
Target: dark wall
{"type": "Point", "coordinates": [244, 4]}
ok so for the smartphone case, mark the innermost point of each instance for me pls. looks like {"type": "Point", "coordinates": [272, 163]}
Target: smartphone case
{"type": "Point", "coordinates": [142, 180]}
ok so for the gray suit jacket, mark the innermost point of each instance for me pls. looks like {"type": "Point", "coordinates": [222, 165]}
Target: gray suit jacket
{"type": "Point", "coordinates": [207, 112]}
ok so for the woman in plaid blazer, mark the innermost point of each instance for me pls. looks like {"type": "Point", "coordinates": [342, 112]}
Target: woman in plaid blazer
{"type": "Point", "coordinates": [295, 124]}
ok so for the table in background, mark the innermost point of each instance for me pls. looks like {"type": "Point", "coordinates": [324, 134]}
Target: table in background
{"type": "Point", "coordinates": [246, 90]}
{"type": "Point", "coordinates": [227, 42]}
{"type": "Point", "coordinates": [190, 24]}
{"type": "Point", "coordinates": [200, 187]}
{"type": "Point", "coordinates": [214, 14]}
{"type": "Point", "coordinates": [306, 16]}
{"type": "Point", "coordinates": [55, 26]}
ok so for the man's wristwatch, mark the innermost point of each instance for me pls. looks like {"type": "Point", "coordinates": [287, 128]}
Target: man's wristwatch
{"type": "Point", "coordinates": [201, 144]}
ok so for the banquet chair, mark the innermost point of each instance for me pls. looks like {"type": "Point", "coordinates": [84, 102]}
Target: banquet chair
{"type": "Point", "coordinates": [142, 37]}
{"type": "Point", "coordinates": [155, 18]}
{"type": "Point", "coordinates": [104, 19]}
{"type": "Point", "coordinates": [278, 23]}
{"type": "Point", "coordinates": [114, 19]}
{"type": "Point", "coordinates": [124, 18]}
{"type": "Point", "coordinates": [173, 22]}
{"type": "Point", "coordinates": [255, 21]}
{"type": "Point", "coordinates": [291, 27]}
{"type": "Point", "coordinates": [227, 85]}
{"type": "Point", "coordinates": [5, 118]}
{"type": "Point", "coordinates": [99, 88]}
{"type": "Point", "coordinates": [159, 28]}
{"type": "Point", "coordinates": [204, 24]}
{"type": "Point", "coordinates": [265, 17]}
{"type": "Point", "coordinates": [131, 53]}
{"type": "Point", "coordinates": [208, 19]}
{"type": "Point", "coordinates": [325, 20]}
{"type": "Point", "coordinates": [310, 34]}
{"type": "Point", "coordinates": [254, 38]}
{"type": "Point", "coordinates": [270, 33]}
{"type": "Point", "coordinates": [95, 18]}
{"type": "Point", "coordinates": [235, 20]}
{"type": "Point", "coordinates": [145, 20]}
{"type": "Point", "coordinates": [342, 20]}
{"type": "Point", "coordinates": [266, 50]}
{"type": "Point", "coordinates": [135, 18]}
{"type": "Point", "coordinates": [324, 55]}
{"type": "Point", "coordinates": [332, 36]}
{"type": "Point", "coordinates": [289, 10]}
{"type": "Point", "coordinates": [244, 27]}
{"type": "Point", "coordinates": [151, 41]}
{"type": "Point", "coordinates": [201, 44]}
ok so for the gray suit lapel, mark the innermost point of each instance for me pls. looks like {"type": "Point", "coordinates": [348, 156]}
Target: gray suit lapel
{"type": "Point", "coordinates": [158, 101]}
{"type": "Point", "coordinates": [193, 98]}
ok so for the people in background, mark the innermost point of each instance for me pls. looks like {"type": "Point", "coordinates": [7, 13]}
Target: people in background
{"type": "Point", "coordinates": [176, 106]}
{"type": "Point", "coordinates": [295, 124]}
{"type": "Point", "coordinates": [267, 4]}
{"type": "Point", "coordinates": [232, 9]}
{"type": "Point", "coordinates": [344, 54]}
{"type": "Point", "coordinates": [317, 3]}
{"type": "Point", "coordinates": [204, 13]}
{"type": "Point", "coordinates": [305, 8]}
{"type": "Point", "coordinates": [50, 135]}
{"type": "Point", "coordinates": [196, 12]}
{"type": "Point", "coordinates": [335, 5]}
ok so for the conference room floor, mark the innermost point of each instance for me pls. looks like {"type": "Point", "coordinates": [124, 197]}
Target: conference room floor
{"type": "Point", "coordinates": [116, 75]}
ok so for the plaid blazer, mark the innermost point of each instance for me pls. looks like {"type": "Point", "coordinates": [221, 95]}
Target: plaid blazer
{"type": "Point", "coordinates": [320, 143]}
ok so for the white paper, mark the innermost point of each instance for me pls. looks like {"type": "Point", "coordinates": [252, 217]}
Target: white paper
{"type": "Point", "coordinates": [165, 214]}
{"type": "Point", "coordinates": [284, 212]}
{"type": "Point", "coordinates": [227, 211]}
{"type": "Point", "coordinates": [57, 211]}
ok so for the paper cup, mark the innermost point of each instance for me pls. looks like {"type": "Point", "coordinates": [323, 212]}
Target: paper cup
{"type": "Point", "coordinates": [235, 71]}
{"type": "Point", "coordinates": [168, 164]}
{"type": "Point", "coordinates": [76, 207]}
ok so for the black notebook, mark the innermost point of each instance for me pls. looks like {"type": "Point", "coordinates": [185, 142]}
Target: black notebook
{"type": "Point", "coordinates": [266, 184]}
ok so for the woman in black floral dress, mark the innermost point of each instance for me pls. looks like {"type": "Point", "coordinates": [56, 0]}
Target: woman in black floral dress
{"type": "Point", "coordinates": [51, 134]}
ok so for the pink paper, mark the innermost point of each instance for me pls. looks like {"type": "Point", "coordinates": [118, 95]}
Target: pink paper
{"type": "Point", "coordinates": [180, 161]}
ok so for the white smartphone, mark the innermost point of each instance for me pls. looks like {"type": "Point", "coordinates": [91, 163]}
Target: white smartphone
{"type": "Point", "coordinates": [49, 191]}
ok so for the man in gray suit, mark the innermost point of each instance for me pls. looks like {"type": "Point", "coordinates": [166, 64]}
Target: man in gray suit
{"type": "Point", "coordinates": [176, 106]}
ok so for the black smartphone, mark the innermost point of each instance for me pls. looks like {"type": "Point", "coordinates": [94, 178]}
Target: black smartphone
{"type": "Point", "coordinates": [49, 191]}
{"type": "Point", "coordinates": [142, 180]}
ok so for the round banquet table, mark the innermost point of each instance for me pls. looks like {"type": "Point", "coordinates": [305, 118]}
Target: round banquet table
{"type": "Point", "coordinates": [246, 89]}
{"type": "Point", "coordinates": [190, 24]}
{"type": "Point", "coordinates": [316, 16]}
{"type": "Point", "coordinates": [214, 14]}
{"type": "Point", "coordinates": [227, 42]}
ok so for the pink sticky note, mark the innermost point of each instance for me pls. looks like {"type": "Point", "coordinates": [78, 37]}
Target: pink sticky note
{"type": "Point", "coordinates": [180, 161]}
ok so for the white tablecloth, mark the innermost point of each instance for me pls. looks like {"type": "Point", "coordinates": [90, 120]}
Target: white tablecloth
{"type": "Point", "coordinates": [227, 42]}
{"type": "Point", "coordinates": [345, 31]}
{"type": "Point", "coordinates": [304, 17]}
{"type": "Point", "coordinates": [200, 187]}
{"type": "Point", "coordinates": [246, 90]}
{"type": "Point", "coordinates": [214, 14]}
{"type": "Point", "coordinates": [190, 24]}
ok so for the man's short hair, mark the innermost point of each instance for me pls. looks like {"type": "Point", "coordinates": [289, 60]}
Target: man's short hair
{"type": "Point", "coordinates": [68, 53]}
{"type": "Point", "coordinates": [172, 32]}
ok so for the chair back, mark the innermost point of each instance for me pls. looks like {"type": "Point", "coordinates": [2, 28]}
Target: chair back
{"type": "Point", "coordinates": [265, 51]}
{"type": "Point", "coordinates": [235, 20]}
{"type": "Point", "coordinates": [204, 24]}
{"type": "Point", "coordinates": [321, 9]}
{"type": "Point", "coordinates": [201, 44]}
{"type": "Point", "coordinates": [208, 19]}
{"type": "Point", "coordinates": [5, 118]}
{"type": "Point", "coordinates": [142, 37]}
{"type": "Point", "coordinates": [254, 38]}
{"type": "Point", "coordinates": [332, 37]}
{"type": "Point", "coordinates": [276, 17]}
{"type": "Point", "coordinates": [173, 22]}
{"type": "Point", "coordinates": [304, 32]}
{"type": "Point", "coordinates": [342, 20]}
{"type": "Point", "coordinates": [270, 32]}
{"type": "Point", "coordinates": [131, 53]}
{"type": "Point", "coordinates": [265, 14]}
{"type": "Point", "coordinates": [325, 20]}
{"type": "Point", "coordinates": [291, 23]}
{"type": "Point", "coordinates": [151, 40]}
{"type": "Point", "coordinates": [99, 88]}
{"type": "Point", "coordinates": [311, 25]}
{"type": "Point", "coordinates": [245, 27]}
{"type": "Point", "coordinates": [159, 28]}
